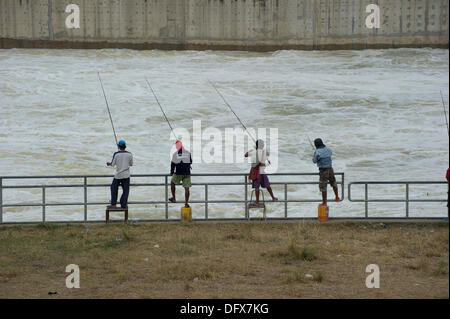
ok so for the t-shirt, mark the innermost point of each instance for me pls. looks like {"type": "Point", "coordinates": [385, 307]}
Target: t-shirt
{"type": "Point", "coordinates": [325, 157]}
{"type": "Point", "coordinates": [258, 157]}
{"type": "Point", "coordinates": [122, 160]}
{"type": "Point", "coordinates": [181, 162]}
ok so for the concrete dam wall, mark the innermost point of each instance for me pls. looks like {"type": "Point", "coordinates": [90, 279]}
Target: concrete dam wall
{"type": "Point", "coordinates": [257, 25]}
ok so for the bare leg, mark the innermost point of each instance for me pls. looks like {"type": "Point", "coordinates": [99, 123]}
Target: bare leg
{"type": "Point", "coordinates": [257, 195]}
{"type": "Point", "coordinates": [335, 189]}
{"type": "Point", "coordinates": [186, 196]}
{"type": "Point", "coordinates": [324, 197]}
{"type": "Point", "coordinates": [172, 188]}
{"type": "Point", "coordinates": [269, 189]}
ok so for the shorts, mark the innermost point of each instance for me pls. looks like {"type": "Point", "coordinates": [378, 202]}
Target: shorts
{"type": "Point", "coordinates": [263, 182]}
{"type": "Point", "coordinates": [186, 179]}
{"type": "Point", "coordinates": [326, 175]}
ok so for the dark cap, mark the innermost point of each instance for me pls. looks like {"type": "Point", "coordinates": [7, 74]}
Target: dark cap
{"type": "Point", "coordinates": [318, 142]}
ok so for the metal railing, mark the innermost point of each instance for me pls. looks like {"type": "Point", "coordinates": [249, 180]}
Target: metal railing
{"type": "Point", "coordinates": [85, 185]}
{"type": "Point", "coordinates": [406, 200]}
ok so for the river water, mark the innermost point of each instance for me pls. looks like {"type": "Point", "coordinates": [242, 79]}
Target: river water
{"type": "Point", "coordinates": [379, 110]}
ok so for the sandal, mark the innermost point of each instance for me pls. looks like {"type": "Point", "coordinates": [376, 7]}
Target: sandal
{"type": "Point", "coordinates": [172, 200]}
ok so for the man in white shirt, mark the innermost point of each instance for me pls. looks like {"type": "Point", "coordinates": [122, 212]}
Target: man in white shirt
{"type": "Point", "coordinates": [122, 160]}
{"type": "Point", "coordinates": [259, 157]}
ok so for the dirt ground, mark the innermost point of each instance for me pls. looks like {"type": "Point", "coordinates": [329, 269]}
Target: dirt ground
{"type": "Point", "coordinates": [226, 260]}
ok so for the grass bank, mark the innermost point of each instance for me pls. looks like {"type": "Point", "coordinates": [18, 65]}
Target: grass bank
{"type": "Point", "coordinates": [226, 260]}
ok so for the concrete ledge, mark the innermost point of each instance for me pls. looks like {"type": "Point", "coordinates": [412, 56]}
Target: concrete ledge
{"type": "Point", "coordinates": [6, 43]}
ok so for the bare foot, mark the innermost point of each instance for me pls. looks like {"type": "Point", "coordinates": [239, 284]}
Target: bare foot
{"type": "Point", "coordinates": [172, 200]}
{"type": "Point", "coordinates": [337, 199]}
{"type": "Point", "coordinates": [274, 199]}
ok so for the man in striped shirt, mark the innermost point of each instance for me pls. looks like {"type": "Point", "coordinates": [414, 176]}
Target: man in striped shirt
{"type": "Point", "coordinates": [180, 169]}
{"type": "Point", "coordinates": [122, 160]}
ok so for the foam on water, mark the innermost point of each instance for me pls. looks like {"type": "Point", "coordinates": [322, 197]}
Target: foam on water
{"type": "Point", "coordinates": [379, 110]}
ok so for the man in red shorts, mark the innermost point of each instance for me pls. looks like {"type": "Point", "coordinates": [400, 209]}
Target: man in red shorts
{"type": "Point", "coordinates": [259, 158]}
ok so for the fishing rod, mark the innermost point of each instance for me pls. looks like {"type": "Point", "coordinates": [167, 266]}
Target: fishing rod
{"type": "Point", "coordinates": [107, 105]}
{"type": "Point", "coordinates": [229, 106]}
{"type": "Point", "coordinates": [310, 142]}
{"type": "Point", "coordinates": [231, 110]}
{"type": "Point", "coordinates": [156, 98]}
{"type": "Point", "coordinates": [445, 113]}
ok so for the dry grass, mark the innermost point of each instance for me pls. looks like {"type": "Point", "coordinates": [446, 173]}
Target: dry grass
{"type": "Point", "coordinates": [226, 260]}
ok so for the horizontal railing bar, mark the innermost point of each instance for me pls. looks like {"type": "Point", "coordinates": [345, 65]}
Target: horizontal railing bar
{"type": "Point", "coordinates": [170, 203]}
{"type": "Point", "coordinates": [154, 175]}
{"type": "Point", "coordinates": [397, 182]}
{"type": "Point", "coordinates": [397, 200]}
{"type": "Point", "coordinates": [150, 184]}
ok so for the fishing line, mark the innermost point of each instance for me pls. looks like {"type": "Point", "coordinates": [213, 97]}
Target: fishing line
{"type": "Point", "coordinates": [156, 98]}
{"type": "Point", "coordinates": [310, 142]}
{"type": "Point", "coordinates": [107, 106]}
{"type": "Point", "coordinates": [231, 110]}
{"type": "Point", "coordinates": [445, 113]}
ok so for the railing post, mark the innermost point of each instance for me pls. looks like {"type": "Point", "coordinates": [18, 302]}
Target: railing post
{"type": "Point", "coordinates": [43, 204]}
{"type": "Point", "coordinates": [407, 200]}
{"type": "Point", "coordinates": [85, 198]}
{"type": "Point", "coordinates": [349, 192]}
{"type": "Point", "coordinates": [343, 187]}
{"type": "Point", "coordinates": [285, 201]}
{"type": "Point", "coordinates": [366, 198]}
{"type": "Point", "coordinates": [246, 197]}
{"type": "Point", "coordinates": [1, 200]}
{"type": "Point", "coordinates": [167, 198]}
{"type": "Point", "coordinates": [206, 201]}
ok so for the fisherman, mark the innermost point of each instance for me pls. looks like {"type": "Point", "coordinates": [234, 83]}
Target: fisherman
{"type": "Point", "coordinates": [122, 160]}
{"type": "Point", "coordinates": [257, 174]}
{"type": "Point", "coordinates": [180, 170]}
{"type": "Point", "coordinates": [322, 156]}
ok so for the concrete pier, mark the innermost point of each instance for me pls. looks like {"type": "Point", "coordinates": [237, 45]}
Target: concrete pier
{"type": "Point", "coordinates": [257, 25]}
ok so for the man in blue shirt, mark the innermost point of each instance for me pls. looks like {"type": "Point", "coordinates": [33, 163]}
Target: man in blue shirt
{"type": "Point", "coordinates": [322, 157]}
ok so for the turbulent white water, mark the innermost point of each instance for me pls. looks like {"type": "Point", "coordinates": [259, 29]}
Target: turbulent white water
{"type": "Point", "coordinates": [379, 111]}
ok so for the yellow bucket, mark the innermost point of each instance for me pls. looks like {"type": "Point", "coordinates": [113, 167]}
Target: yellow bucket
{"type": "Point", "coordinates": [186, 214]}
{"type": "Point", "coordinates": [323, 212]}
